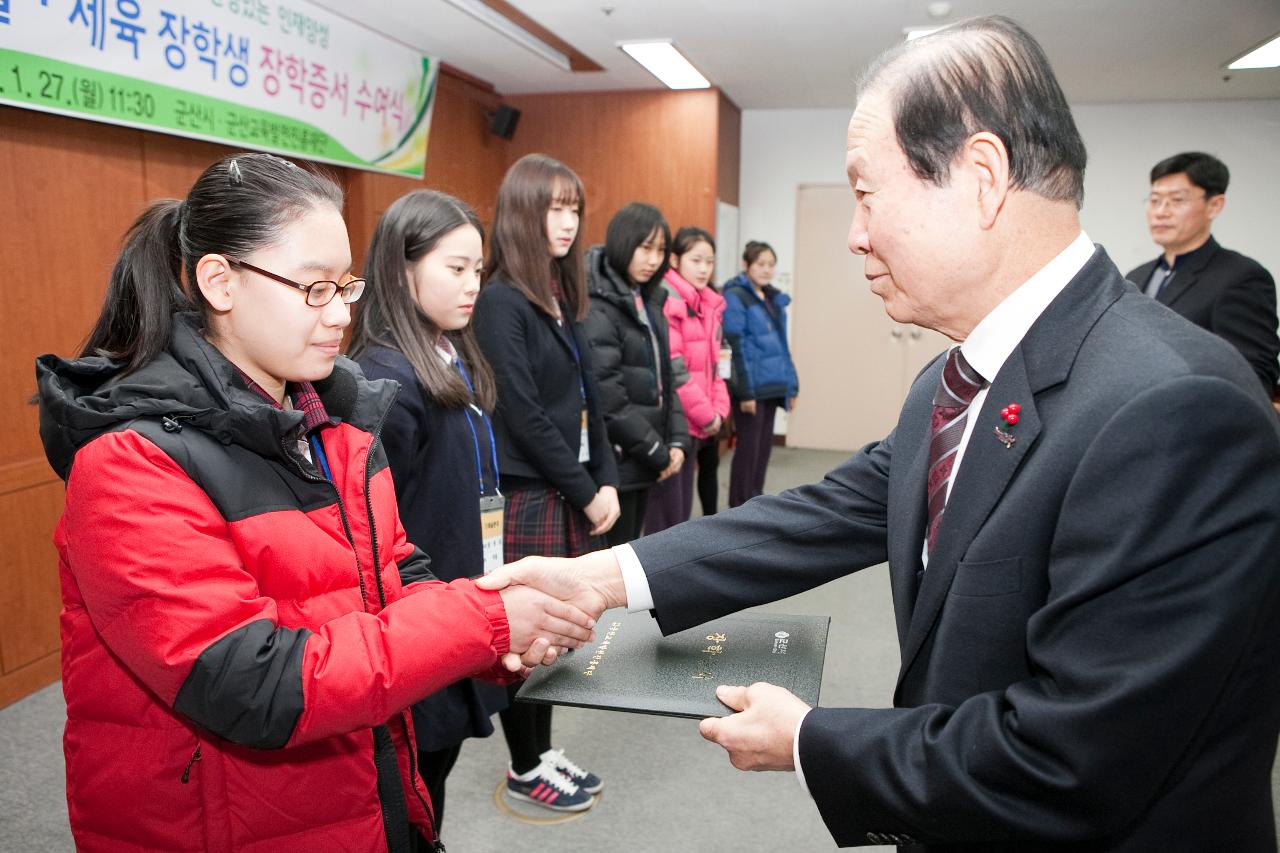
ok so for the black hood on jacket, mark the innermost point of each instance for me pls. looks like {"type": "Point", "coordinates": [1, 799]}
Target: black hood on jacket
{"type": "Point", "coordinates": [192, 385]}
{"type": "Point", "coordinates": [604, 282]}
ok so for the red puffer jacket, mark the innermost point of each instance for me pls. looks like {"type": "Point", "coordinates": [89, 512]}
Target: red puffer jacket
{"type": "Point", "coordinates": [241, 636]}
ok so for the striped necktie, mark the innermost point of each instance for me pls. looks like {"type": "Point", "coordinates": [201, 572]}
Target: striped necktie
{"type": "Point", "coordinates": [958, 386]}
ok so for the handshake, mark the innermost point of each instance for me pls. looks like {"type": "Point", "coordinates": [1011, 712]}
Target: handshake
{"type": "Point", "coordinates": [553, 603]}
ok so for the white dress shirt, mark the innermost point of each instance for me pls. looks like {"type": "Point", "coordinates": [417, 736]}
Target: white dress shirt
{"type": "Point", "coordinates": [986, 349]}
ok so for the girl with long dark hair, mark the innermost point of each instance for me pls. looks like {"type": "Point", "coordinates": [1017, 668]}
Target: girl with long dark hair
{"type": "Point", "coordinates": [558, 471]}
{"type": "Point", "coordinates": [244, 621]}
{"type": "Point", "coordinates": [423, 267]}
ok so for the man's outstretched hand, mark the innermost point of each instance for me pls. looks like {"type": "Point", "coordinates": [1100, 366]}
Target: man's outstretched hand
{"type": "Point", "coordinates": [592, 583]}
{"type": "Point", "coordinates": [761, 735]}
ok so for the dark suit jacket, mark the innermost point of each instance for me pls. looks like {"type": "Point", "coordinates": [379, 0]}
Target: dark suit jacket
{"type": "Point", "coordinates": [1230, 295]}
{"type": "Point", "coordinates": [1092, 659]}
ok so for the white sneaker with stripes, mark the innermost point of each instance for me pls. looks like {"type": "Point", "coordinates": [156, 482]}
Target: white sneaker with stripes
{"type": "Point", "coordinates": [548, 787]}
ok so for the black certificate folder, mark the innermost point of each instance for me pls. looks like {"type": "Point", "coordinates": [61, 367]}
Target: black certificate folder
{"type": "Point", "coordinates": [632, 667]}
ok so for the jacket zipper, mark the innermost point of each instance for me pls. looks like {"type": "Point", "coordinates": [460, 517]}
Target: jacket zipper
{"type": "Point", "coordinates": [436, 844]}
{"type": "Point", "coordinates": [342, 513]}
{"type": "Point", "coordinates": [368, 500]}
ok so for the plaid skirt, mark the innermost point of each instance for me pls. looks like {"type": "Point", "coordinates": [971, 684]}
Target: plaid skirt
{"type": "Point", "coordinates": [538, 522]}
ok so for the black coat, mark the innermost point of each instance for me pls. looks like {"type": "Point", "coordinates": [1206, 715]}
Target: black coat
{"type": "Point", "coordinates": [540, 387]}
{"type": "Point", "coordinates": [644, 419]}
{"type": "Point", "coordinates": [433, 465]}
{"type": "Point", "coordinates": [1091, 661]}
{"type": "Point", "coordinates": [1229, 294]}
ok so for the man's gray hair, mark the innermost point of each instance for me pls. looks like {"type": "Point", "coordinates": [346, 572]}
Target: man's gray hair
{"type": "Point", "coordinates": [982, 74]}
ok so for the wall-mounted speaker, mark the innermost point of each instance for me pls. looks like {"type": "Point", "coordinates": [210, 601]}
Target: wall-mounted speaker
{"type": "Point", "coordinates": [503, 121]}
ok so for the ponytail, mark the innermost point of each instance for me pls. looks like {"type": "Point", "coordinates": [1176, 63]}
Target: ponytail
{"type": "Point", "coordinates": [145, 290]}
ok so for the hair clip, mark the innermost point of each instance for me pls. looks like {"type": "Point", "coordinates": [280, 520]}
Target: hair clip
{"type": "Point", "coordinates": [233, 174]}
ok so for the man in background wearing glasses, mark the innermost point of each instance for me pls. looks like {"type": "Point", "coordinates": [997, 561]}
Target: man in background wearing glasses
{"type": "Point", "coordinates": [1223, 291]}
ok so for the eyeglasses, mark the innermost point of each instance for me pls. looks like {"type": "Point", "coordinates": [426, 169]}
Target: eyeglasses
{"type": "Point", "coordinates": [319, 293]}
{"type": "Point", "coordinates": [1155, 201]}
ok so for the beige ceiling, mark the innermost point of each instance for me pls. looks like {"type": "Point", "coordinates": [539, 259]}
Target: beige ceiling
{"type": "Point", "coordinates": [806, 53]}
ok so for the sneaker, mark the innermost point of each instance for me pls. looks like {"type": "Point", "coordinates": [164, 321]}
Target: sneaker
{"type": "Point", "coordinates": [586, 780]}
{"type": "Point", "coordinates": [548, 787]}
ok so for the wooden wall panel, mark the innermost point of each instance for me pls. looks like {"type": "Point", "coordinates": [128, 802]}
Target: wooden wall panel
{"type": "Point", "coordinates": [464, 158]}
{"type": "Point", "coordinates": [172, 164]}
{"type": "Point", "coordinates": [652, 146]}
{"type": "Point", "coordinates": [29, 630]}
{"type": "Point", "coordinates": [728, 150]}
{"type": "Point", "coordinates": [69, 188]}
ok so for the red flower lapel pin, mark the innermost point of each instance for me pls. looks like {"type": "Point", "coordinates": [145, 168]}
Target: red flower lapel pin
{"type": "Point", "coordinates": [1010, 416]}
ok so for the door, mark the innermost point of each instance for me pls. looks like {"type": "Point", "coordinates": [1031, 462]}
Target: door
{"type": "Point", "coordinates": [855, 363]}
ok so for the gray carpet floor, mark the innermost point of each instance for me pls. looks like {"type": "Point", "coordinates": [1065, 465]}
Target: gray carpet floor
{"type": "Point", "coordinates": [666, 788]}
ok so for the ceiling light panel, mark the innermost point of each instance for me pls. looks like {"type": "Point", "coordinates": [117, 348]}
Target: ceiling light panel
{"type": "Point", "coordinates": [1264, 56]}
{"type": "Point", "coordinates": [664, 61]}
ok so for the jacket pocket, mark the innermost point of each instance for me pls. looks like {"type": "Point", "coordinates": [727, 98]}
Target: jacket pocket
{"type": "Point", "coordinates": [988, 577]}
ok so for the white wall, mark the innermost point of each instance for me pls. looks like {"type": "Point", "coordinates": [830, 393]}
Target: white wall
{"type": "Point", "coordinates": [782, 149]}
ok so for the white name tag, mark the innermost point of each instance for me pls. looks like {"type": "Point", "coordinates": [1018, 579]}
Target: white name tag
{"type": "Point", "coordinates": [584, 442]}
{"type": "Point", "coordinates": [724, 366]}
{"type": "Point", "coordinates": [491, 530]}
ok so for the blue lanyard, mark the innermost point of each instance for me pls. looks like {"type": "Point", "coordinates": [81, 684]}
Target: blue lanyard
{"type": "Point", "coordinates": [317, 450]}
{"type": "Point", "coordinates": [577, 356]}
{"type": "Point", "coordinates": [475, 438]}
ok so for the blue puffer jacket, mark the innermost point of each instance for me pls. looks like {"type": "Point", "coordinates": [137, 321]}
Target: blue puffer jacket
{"type": "Point", "coordinates": [762, 366]}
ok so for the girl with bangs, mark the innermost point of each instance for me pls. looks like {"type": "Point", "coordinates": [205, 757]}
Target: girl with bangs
{"type": "Point", "coordinates": [558, 471]}
{"type": "Point", "coordinates": [700, 364]}
{"type": "Point", "coordinates": [629, 343]}
{"type": "Point", "coordinates": [423, 268]}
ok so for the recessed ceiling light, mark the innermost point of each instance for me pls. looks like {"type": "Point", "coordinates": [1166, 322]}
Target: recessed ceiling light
{"type": "Point", "coordinates": [1266, 55]}
{"type": "Point", "coordinates": [491, 18]}
{"type": "Point", "coordinates": [664, 61]}
{"type": "Point", "coordinates": [913, 33]}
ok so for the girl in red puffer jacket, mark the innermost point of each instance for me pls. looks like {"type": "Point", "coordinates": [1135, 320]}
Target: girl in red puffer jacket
{"type": "Point", "coordinates": [244, 623]}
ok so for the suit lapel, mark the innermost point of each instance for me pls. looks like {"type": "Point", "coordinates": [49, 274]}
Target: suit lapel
{"type": "Point", "coordinates": [985, 471]}
{"type": "Point", "coordinates": [1142, 275]}
{"type": "Point", "coordinates": [562, 333]}
{"type": "Point", "coordinates": [909, 507]}
{"type": "Point", "coordinates": [1184, 278]}
{"type": "Point", "coordinates": [1041, 361]}
{"type": "Point", "coordinates": [1178, 285]}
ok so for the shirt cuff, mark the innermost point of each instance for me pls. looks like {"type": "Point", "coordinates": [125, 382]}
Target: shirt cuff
{"type": "Point", "coordinates": [795, 756]}
{"type": "Point", "coordinates": [636, 582]}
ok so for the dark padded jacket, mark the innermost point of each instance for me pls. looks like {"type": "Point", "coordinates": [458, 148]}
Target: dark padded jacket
{"type": "Point", "coordinates": [240, 635]}
{"type": "Point", "coordinates": [642, 410]}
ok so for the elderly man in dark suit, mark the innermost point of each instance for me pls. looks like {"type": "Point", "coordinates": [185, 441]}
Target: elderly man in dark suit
{"type": "Point", "coordinates": [1079, 509]}
{"type": "Point", "coordinates": [1223, 291]}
